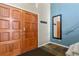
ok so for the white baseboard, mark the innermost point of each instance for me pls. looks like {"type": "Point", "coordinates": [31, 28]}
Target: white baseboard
{"type": "Point", "coordinates": [59, 44]}
{"type": "Point", "coordinates": [54, 43]}
{"type": "Point", "coordinates": [43, 44]}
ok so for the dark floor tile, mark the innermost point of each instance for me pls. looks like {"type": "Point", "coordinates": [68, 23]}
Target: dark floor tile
{"type": "Point", "coordinates": [47, 50]}
{"type": "Point", "coordinates": [37, 52]}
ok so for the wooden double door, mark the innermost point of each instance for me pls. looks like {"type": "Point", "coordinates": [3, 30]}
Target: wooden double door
{"type": "Point", "coordinates": [18, 31]}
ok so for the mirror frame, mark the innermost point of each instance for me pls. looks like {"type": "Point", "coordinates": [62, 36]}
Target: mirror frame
{"type": "Point", "coordinates": [53, 18]}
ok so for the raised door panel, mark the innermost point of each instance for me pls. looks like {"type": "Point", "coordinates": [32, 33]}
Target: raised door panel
{"type": "Point", "coordinates": [16, 35]}
{"type": "Point", "coordinates": [10, 48]}
{"type": "Point", "coordinates": [33, 27]}
{"type": "Point", "coordinates": [10, 30]}
{"type": "Point", "coordinates": [33, 40]}
{"type": "Point", "coordinates": [16, 25]}
{"type": "Point", "coordinates": [16, 15]}
{"type": "Point", "coordinates": [25, 45]}
{"type": "Point", "coordinates": [6, 49]}
{"type": "Point", "coordinates": [27, 17]}
{"type": "Point", "coordinates": [34, 31]}
{"type": "Point", "coordinates": [4, 24]}
{"type": "Point", "coordinates": [17, 48]}
{"type": "Point", "coordinates": [2, 49]}
{"type": "Point", "coordinates": [5, 34]}
{"type": "Point", "coordinates": [25, 30]}
{"type": "Point", "coordinates": [33, 18]}
{"type": "Point", "coordinates": [4, 11]}
{"type": "Point", "coordinates": [32, 35]}
{"type": "Point", "coordinates": [27, 26]}
{"type": "Point", "coordinates": [17, 31]}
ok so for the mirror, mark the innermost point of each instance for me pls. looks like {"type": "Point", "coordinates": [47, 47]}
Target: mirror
{"type": "Point", "coordinates": [57, 26]}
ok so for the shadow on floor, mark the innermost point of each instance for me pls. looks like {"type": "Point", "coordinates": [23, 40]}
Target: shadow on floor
{"type": "Point", "coordinates": [47, 50]}
{"type": "Point", "coordinates": [37, 52]}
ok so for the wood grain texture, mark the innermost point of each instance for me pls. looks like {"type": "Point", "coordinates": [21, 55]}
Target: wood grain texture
{"type": "Point", "coordinates": [18, 31]}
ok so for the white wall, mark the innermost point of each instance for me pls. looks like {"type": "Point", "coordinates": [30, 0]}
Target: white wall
{"type": "Point", "coordinates": [43, 10]}
{"type": "Point", "coordinates": [44, 29]}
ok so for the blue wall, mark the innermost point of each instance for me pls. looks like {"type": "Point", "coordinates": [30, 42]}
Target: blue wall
{"type": "Point", "coordinates": [70, 21]}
